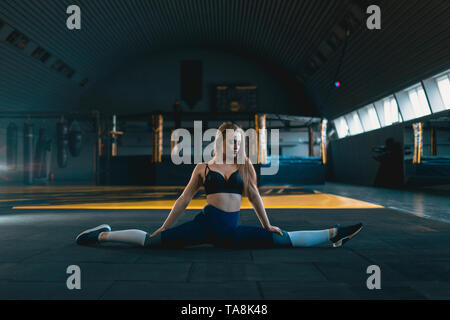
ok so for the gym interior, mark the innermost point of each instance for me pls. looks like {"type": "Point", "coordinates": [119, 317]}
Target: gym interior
{"type": "Point", "coordinates": [349, 100]}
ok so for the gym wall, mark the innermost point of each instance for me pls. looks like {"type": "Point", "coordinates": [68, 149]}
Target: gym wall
{"type": "Point", "coordinates": [153, 83]}
{"type": "Point", "coordinates": [79, 169]}
{"type": "Point", "coordinates": [350, 160]}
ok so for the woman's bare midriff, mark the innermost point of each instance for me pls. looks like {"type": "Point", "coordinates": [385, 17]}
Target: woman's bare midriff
{"type": "Point", "coordinates": [229, 202]}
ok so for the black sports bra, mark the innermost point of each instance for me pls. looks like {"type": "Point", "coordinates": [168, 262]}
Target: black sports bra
{"type": "Point", "coordinates": [215, 182]}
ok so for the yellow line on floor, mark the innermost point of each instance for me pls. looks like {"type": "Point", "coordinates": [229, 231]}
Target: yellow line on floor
{"type": "Point", "coordinates": [309, 201]}
{"type": "Point", "coordinates": [71, 189]}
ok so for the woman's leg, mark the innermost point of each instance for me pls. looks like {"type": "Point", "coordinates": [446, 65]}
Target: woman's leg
{"type": "Point", "coordinates": [131, 236]}
{"type": "Point", "coordinates": [311, 238]}
{"type": "Point", "coordinates": [186, 234]}
{"type": "Point", "coordinates": [253, 236]}
{"type": "Point", "coordinates": [190, 233]}
{"type": "Point", "coordinates": [91, 236]}
{"type": "Point", "coordinates": [338, 236]}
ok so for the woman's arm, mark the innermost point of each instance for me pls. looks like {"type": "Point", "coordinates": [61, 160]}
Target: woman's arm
{"type": "Point", "coordinates": [184, 199]}
{"type": "Point", "coordinates": [255, 199]}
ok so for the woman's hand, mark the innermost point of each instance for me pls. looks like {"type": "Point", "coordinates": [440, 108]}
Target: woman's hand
{"type": "Point", "coordinates": [274, 229]}
{"type": "Point", "coordinates": [161, 229]}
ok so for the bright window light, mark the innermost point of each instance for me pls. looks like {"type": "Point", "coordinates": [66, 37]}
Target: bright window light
{"type": "Point", "coordinates": [419, 102]}
{"type": "Point", "coordinates": [444, 89]}
{"type": "Point", "coordinates": [354, 123]}
{"type": "Point", "coordinates": [341, 127]}
{"type": "Point", "coordinates": [391, 114]}
{"type": "Point", "coordinates": [369, 118]}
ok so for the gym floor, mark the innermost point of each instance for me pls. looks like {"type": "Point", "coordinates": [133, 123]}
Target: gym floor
{"type": "Point", "coordinates": [38, 226]}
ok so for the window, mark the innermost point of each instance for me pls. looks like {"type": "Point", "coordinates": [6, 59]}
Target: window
{"type": "Point", "coordinates": [428, 96]}
{"type": "Point", "coordinates": [41, 54]}
{"type": "Point", "coordinates": [390, 111]}
{"type": "Point", "coordinates": [58, 65]}
{"type": "Point", "coordinates": [438, 91]}
{"type": "Point", "coordinates": [354, 124]}
{"type": "Point", "coordinates": [419, 102]}
{"type": "Point", "coordinates": [341, 127]}
{"type": "Point", "coordinates": [369, 118]}
{"type": "Point", "coordinates": [63, 68]}
{"type": "Point", "coordinates": [444, 90]}
{"type": "Point", "coordinates": [413, 102]}
{"type": "Point", "coordinates": [17, 39]}
{"type": "Point", "coordinates": [387, 111]}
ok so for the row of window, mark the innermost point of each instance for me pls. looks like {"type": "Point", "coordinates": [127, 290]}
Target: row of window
{"type": "Point", "coordinates": [429, 96]}
{"type": "Point", "coordinates": [22, 42]}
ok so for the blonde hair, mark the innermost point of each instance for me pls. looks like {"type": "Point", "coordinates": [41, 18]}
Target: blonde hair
{"type": "Point", "coordinates": [245, 169]}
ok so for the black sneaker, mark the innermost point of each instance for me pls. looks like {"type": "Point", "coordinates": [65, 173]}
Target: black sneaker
{"type": "Point", "coordinates": [345, 233]}
{"type": "Point", "coordinates": [90, 236]}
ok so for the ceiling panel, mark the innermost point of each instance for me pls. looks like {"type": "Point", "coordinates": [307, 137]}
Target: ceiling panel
{"type": "Point", "coordinates": [414, 41]}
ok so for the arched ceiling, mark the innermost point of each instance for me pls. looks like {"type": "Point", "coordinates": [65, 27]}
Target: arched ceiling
{"type": "Point", "coordinates": [414, 41]}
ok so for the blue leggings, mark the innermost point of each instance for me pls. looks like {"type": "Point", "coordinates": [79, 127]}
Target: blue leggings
{"type": "Point", "coordinates": [221, 229]}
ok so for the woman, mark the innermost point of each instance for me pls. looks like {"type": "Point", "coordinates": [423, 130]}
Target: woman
{"type": "Point", "coordinates": [225, 183]}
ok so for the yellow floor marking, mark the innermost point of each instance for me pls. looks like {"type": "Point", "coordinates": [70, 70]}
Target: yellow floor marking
{"type": "Point", "coordinates": [15, 189]}
{"type": "Point", "coordinates": [316, 201]}
{"type": "Point", "coordinates": [312, 201]}
{"type": "Point", "coordinates": [85, 189]}
{"type": "Point", "coordinates": [104, 197]}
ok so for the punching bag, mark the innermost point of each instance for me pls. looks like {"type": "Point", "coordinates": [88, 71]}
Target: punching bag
{"type": "Point", "coordinates": [46, 158]}
{"type": "Point", "coordinates": [75, 139]}
{"type": "Point", "coordinates": [11, 146]}
{"type": "Point", "coordinates": [62, 142]}
{"type": "Point", "coordinates": [38, 154]}
{"type": "Point", "coordinates": [28, 153]}
{"type": "Point", "coordinates": [42, 156]}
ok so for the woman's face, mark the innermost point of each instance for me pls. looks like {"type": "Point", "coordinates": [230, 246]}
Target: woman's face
{"type": "Point", "coordinates": [233, 144]}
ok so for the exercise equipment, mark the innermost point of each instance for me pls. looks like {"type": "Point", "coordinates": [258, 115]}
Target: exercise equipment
{"type": "Point", "coordinates": [42, 157]}
{"type": "Point", "coordinates": [261, 138]}
{"type": "Point", "coordinates": [11, 146]}
{"type": "Point", "coordinates": [114, 137]}
{"type": "Point", "coordinates": [418, 142]}
{"type": "Point", "coordinates": [157, 121]}
{"type": "Point", "coordinates": [62, 142]}
{"type": "Point", "coordinates": [323, 140]}
{"type": "Point", "coordinates": [75, 139]}
{"type": "Point", "coordinates": [28, 152]}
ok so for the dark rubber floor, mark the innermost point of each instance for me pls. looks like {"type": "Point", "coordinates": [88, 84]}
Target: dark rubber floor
{"type": "Point", "coordinates": [36, 247]}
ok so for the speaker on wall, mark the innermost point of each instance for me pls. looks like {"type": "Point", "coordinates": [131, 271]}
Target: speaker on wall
{"type": "Point", "coordinates": [191, 82]}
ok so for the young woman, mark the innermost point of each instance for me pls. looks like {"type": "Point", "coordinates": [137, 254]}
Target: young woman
{"type": "Point", "coordinates": [225, 183]}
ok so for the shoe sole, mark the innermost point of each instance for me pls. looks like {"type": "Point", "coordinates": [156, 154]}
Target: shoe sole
{"type": "Point", "coordinates": [94, 229]}
{"type": "Point", "coordinates": [345, 239]}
